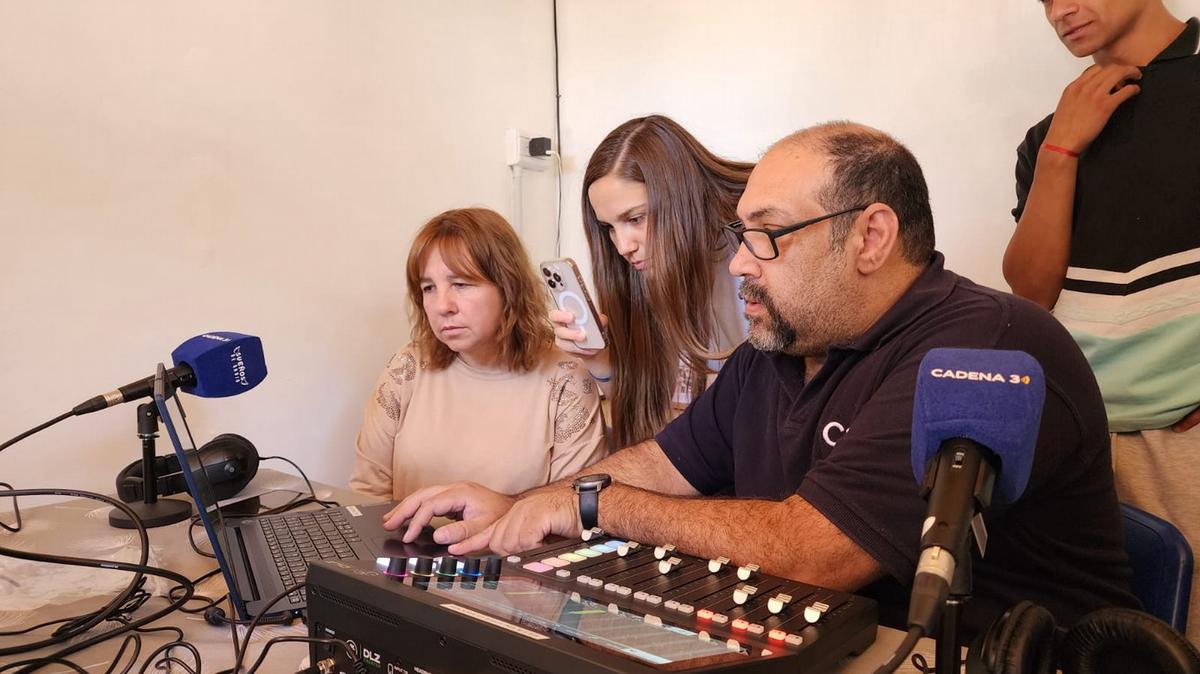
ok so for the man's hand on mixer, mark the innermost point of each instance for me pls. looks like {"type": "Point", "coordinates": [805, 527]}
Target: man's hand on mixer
{"type": "Point", "coordinates": [550, 510]}
{"type": "Point", "coordinates": [475, 505]}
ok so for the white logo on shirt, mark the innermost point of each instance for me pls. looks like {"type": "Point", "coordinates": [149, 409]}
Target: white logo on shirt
{"type": "Point", "coordinates": [833, 426]}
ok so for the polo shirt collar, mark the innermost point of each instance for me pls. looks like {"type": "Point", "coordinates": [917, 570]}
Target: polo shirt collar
{"type": "Point", "coordinates": [1184, 45]}
{"type": "Point", "coordinates": [932, 287]}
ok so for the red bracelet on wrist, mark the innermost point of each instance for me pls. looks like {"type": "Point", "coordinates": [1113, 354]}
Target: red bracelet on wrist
{"type": "Point", "coordinates": [1061, 150]}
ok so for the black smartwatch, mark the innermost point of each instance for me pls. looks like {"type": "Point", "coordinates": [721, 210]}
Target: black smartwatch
{"type": "Point", "coordinates": [588, 487]}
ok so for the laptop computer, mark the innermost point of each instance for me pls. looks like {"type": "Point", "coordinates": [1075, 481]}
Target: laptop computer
{"type": "Point", "coordinates": [260, 557]}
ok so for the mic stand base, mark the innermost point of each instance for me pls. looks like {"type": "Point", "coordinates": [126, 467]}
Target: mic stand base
{"type": "Point", "coordinates": [162, 512]}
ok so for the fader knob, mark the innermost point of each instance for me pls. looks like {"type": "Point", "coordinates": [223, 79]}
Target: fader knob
{"type": "Point", "coordinates": [471, 566]}
{"type": "Point", "coordinates": [778, 602]}
{"type": "Point", "coordinates": [447, 566]}
{"type": "Point", "coordinates": [491, 567]}
{"type": "Point", "coordinates": [668, 565]}
{"type": "Point", "coordinates": [715, 565]}
{"type": "Point", "coordinates": [747, 571]}
{"type": "Point", "coordinates": [424, 566]}
{"type": "Point", "coordinates": [397, 566]}
{"type": "Point", "coordinates": [742, 594]}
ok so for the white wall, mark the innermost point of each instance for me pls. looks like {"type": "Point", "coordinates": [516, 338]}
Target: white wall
{"type": "Point", "coordinates": [958, 81]}
{"type": "Point", "coordinates": [170, 168]}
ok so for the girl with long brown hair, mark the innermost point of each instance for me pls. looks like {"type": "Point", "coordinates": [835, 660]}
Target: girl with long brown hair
{"type": "Point", "coordinates": [654, 200]}
{"type": "Point", "coordinates": [481, 393]}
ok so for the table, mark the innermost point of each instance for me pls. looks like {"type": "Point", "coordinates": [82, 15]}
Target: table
{"type": "Point", "coordinates": [80, 528]}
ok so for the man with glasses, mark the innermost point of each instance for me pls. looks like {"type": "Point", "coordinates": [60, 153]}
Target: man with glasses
{"type": "Point", "coordinates": [1108, 237]}
{"type": "Point", "coordinates": [809, 424]}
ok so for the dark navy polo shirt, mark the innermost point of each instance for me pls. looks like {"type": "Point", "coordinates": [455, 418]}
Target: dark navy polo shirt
{"type": "Point", "coordinates": [1137, 191]}
{"type": "Point", "coordinates": [841, 440]}
{"type": "Point", "coordinates": [1131, 291]}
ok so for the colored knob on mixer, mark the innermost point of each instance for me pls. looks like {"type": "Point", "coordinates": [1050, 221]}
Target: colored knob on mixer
{"type": "Point", "coordinates": [491, 567]}
{"type": "Point", "coordinates": [424, 566]}
{"type": "Point", "coordinates": [447, 566]}
{"type": "Point", "coordinates": [471, 566]}
{"type": "Point", "coordinates": [397, 566]}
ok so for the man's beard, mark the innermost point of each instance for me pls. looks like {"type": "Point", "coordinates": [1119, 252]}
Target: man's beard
{"type": "Point", "coordinates": [772, 333]}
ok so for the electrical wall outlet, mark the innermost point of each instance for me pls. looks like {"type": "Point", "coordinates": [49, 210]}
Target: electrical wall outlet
{"type": "Point", "coordinates": [516, 151]}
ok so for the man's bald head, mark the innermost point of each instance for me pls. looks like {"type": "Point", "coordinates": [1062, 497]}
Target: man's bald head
{"type": "Point", "coordinates": [863, 166]}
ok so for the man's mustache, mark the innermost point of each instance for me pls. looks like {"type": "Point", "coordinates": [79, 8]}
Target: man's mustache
{"type": "Point", "coordinates": [751, 292]}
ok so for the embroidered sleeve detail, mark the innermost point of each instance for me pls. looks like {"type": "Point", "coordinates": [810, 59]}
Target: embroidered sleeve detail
{"type": "Point", "coordinates": [572, 414]}
{"type": "Point", "coordinates": [403, 367]}
{"type": "Point", "coordinates": [388, 401]}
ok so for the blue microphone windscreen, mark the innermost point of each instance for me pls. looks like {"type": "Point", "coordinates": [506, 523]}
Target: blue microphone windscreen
{"type": "Point", "coordinates": [990, 396]}
{"type": "Point", "coordinates": [225, 363]}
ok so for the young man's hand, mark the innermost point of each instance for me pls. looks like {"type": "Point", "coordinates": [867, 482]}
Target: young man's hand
{"type": "Point", "coordinates": [1088, 103]}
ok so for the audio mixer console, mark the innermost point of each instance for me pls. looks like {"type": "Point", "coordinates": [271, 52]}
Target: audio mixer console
{"type": "Point", "coordinates": [601, 605]}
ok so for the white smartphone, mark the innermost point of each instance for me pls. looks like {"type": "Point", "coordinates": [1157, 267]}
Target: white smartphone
{"type": "Point", "coordinates": [570, 294]}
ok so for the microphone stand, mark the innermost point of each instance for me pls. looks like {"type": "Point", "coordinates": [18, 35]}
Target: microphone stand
{"type": "Point", "coordinates": [153, 511]}
{"type": "Point", "coordinates": [949, 652]}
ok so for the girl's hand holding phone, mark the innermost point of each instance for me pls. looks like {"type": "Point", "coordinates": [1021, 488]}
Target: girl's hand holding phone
{"type": "Point", "coordinates": [566, 337]}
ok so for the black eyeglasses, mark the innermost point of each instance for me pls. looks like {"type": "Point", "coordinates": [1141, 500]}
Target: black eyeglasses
{"type": "Point", "coordinates": [761, 242]}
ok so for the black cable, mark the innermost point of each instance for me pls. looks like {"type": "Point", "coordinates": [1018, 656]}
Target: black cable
{"type": "Point", "coordinates": [169, 658]}
{"type": "Point", "coordinates": [136, 640]}
{"type": "Point", "coordinates": [16, 511]}
{"type": "Point", "coordinates": [167, 628]}
{"type": "Point", "coordinates": [557, 137]}
{"type": "Point", "coordinates": [240, 648]}
{"type": "Point", "coordinates": [906, 646]}
{"type": "Point", "coordinates": [198, 597]}
{"type": "Point", "coordinates": [192, 541]}
{"type": "Point", "coordinates": [311, 491]}
{"type": "Point", "coordinates": [356, 663]}
{"type": "Point", "coordinates": [35, 429]}
{"type": "Point", "coordinates": [120, 614]}
{"type": "Point", "coordinates": [98, 616]}
{"type": "Point", "coordinates": [139, 571]}
{"type": "Point", "coordinates": [49, 660]}
{"type": "Point", "coordinates": [27, 630]}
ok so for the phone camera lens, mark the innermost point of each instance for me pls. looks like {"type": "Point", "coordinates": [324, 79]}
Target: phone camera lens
{"type": "Point", "coordinates": [545, 272]}
{"type": "Point", "coordinates": [552, 284]}
{"type": "Point", "coordinates": [558, 278]}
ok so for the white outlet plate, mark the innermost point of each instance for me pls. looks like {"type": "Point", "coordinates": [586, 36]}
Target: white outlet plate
{"type": "Point", "coordinates": [516, 151]}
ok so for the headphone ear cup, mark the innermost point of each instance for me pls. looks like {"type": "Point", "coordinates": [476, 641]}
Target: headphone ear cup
{"type": "Point", "coordinates": [129, 483]}
{"type": "Point", "coordinates": [1122, 640]}
{"type": "Point", "coordinates": [1021, 641]}
{"type": "Point", "coordinates": [240, 452]}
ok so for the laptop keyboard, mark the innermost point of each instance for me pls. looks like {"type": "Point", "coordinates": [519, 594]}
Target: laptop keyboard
{"type": "Point", "coordinates": [295, 539]}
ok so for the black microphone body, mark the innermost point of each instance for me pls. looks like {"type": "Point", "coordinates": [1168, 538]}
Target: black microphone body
{"type": "Point", "coordinates": [179, 376]}
{"type": "Point", "coordinates": [958, 484]}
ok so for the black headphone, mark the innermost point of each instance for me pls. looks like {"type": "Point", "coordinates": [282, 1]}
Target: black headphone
{"type": "Point", "coordinates": [229, 460]}
{"type": "Point", "coordinates": [1026, 640]}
